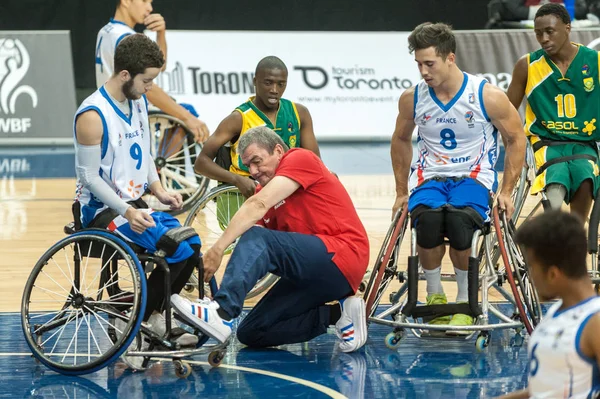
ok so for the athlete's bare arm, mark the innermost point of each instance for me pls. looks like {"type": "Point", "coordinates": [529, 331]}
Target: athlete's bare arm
{"type": "Point", "coordinates": [228, 129]}
{"type": "Point", "coordinates": [307, 134]}
{"type": "Point", "coordinates": [516, 89]}
{"type": "Point", "coordinates": [401, 147]}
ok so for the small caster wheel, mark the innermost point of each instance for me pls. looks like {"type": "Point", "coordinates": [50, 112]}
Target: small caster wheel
{"type": "Point", "coordinates": [215, 357]}
{"type": "Point", "coordinates": [518, 340]}
{"type": "Point", "coordinates": [392, 340]}
{"type": "Point", "coordinates": [189, 287]}
{"type": "Point", "coordinates": [182, 369]}
{"type": "Point", "coordinates": [482, 342]}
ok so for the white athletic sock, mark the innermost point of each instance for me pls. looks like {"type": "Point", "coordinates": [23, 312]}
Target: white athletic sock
{"type": "Point", "coordinates": [463, 285]}
{"type": "Point", "coordinates": [434, 281]}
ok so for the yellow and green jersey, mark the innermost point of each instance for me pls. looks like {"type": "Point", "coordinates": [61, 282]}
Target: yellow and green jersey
{"type": "Point", "coordinates": [287, 127]}
{"type": "Point", "coordinates": [562, 107]}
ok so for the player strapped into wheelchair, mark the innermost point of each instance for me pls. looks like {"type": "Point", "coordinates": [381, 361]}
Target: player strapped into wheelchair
{"type": "Point", "coordinates": [465, 228]}
{"type": "Point", "coordinates": [85, 300]}
{"type": "Point", "coordinates": [556, 170]}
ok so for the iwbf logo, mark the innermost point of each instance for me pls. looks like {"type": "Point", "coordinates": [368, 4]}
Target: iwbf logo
{"type": "Point", "coordinates": [14, 65]}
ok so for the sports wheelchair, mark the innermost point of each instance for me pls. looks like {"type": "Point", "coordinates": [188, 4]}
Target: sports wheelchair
{"type": "Point", "coordinates": [521, 194]}
{"type": "Point", "coordinates": [174, 150]}
{"type": "Point", "coordinates": [83, 304]}
{"type": "Point", "coordinates": [484, 272]}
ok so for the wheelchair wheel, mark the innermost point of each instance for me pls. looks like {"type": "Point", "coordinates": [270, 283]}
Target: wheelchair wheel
{"type": "Point", "coordinates": [210, 217]}
{"type": "Point", "coordinates": [174, 151]}
{"type": "Point", "coordinates": [525, 295]}
{"type": "Point", "coordinates": [72, 297]}
{"type": "Point", "coordinates": [385, 268]}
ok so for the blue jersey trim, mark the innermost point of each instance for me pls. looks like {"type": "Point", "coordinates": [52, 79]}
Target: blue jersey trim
{"type": "Point", "coordinates": [561, 311]}
{"type": "Point", "coordinates": [582, 355]}
{"type": "Point", "coordinates": [485, 115]}
{"type": "Point", "coordinates": [449, 106]}
{"type": "Point", "coordinates": [104, 127]}
{"type": "Point", "coordinates": [121, 38]}
{"type": "Point", "coordinates": [415, 100]}
{"type": "Point", "coordinates": [115, 108]}
{"type": "Point", "coordinates": [115, 21]}
{"type": "Point", "coordinates": [145, 102]}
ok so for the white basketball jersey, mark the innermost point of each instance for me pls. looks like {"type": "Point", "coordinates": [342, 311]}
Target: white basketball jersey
{"type": "Point", "coordinates": [557, 368]}
{"type": "Point", "coordinates": [456, 139]}
{"type": "Point", "coordinates": [106, 43]}
{"type": "Point", "coordinates": [125, 151]}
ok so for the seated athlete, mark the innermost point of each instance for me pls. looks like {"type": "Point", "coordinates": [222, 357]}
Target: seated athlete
{"type": "Point", "coordinates": [453, 182]}
{"type": "Point", "coordinates": [559, 81]}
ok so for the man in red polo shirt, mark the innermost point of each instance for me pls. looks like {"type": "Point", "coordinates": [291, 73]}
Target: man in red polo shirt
{"type": "Point", "coordinates": [300, 225]}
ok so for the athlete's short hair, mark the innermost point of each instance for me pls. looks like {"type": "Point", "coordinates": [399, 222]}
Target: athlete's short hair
{"type": "Point", "coordinates": [556, 9]}
{"type": "Point", "coordinates": [270, 62]}
{"type": "Point", "coordinates": [137, 52]}
{"type": "Point", "coordinates": [438, 35]}
{"type": "Point", "coordinates": [558, 239]}
{"type": "Point", "coordinates": [263, 137]}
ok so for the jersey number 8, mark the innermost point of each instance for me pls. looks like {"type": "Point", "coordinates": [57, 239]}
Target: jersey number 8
{"type": "Point", "coordinates": [448, 139]}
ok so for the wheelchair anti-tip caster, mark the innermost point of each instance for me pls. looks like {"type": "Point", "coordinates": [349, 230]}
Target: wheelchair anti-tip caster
{"type": "Point", "coordinates": [182, 368]}
{"type": "Point", "coordinates": [215, 357]}
{"type": "Point", "coordinates": [393, 339]}
{"type": "Point", "coordinates": [482, 342]}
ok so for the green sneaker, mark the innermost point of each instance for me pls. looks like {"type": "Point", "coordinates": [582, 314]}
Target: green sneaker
{"type": "Point", "coordinates": [438, 299]}
{"type": "Point", "coordinates": [460, 319]}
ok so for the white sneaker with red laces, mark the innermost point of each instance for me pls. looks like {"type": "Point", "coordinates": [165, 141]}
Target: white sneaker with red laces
{"type": "Point", "coordinates": [351, 328]}
{"type": "Point", "coordinates": [204, 316]}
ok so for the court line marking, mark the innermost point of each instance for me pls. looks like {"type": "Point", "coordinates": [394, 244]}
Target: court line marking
{"type": "Point", "coordinates": [313, 385]}
{"type": "Point", "coordinates": [317, 387]}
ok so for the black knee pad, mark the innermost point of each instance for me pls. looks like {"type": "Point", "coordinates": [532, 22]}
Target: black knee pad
{"type": "Point", "coordinates": [429, 224]}
{"type": "Point", "coordinates": [460, 227]}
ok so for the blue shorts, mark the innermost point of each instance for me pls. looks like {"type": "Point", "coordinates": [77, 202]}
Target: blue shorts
{"type": "Point", "coordinates": [150, 236]}
{"type": "Point", "coordinates": [462, 193]}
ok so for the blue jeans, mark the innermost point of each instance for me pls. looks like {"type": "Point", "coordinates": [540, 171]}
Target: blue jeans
{"type": "Point", "coordinates": [294, 309]}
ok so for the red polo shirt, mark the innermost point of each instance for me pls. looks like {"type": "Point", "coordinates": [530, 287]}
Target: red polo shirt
{"type": "Point", "coordinates": [321, 206]}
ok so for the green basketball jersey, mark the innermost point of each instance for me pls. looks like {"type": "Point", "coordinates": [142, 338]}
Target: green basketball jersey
{"type": "Point", "coordinates": [287, 127]}
{"type": "Point", "coordinates": [563, 107]}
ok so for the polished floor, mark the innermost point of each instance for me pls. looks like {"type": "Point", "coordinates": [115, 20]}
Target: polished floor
{"type": "Point", "coordinates": [36, 190]}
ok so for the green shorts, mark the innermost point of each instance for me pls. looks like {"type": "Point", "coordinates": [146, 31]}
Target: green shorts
{"type": "Point", "coordinates": [570, 174]}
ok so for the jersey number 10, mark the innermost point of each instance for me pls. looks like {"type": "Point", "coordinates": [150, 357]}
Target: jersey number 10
{"type": "Point", "coordinates": [565, 106]}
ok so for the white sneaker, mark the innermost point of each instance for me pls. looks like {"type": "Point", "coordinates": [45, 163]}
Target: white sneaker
{"type": "Point", "coordinates": [351, 328]}
{"type": "Point", "coordinates": [158, 324]}
{"type": "Point", "coordinates": [350, 374]}
{"type": "Point", "coordinates": [204, 316]}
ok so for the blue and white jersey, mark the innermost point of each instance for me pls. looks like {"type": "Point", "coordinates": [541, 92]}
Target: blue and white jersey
{"type": "Point", "coordinates": [557, 367]}
{"type": "Point", "coordinates": [456, 139]}
{"type": "Point", "coordinates": [106, 43]}
{"type": "Point", "coordinates": [125, 151]}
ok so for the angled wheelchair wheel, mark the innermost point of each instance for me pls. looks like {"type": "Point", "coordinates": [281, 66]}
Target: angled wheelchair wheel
{"type": "Point", "coordinates": [174, 151]}
{"type": "Point", "coordinates": [385, 268]}
{"type": "Point", "coordinates": [524, 293]}
{"type": "Point", "coordinates": [210, 217]}
{"type": "Point", "coordinates": [72, 298]}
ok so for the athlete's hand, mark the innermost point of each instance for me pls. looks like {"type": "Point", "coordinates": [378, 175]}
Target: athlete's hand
{"type": "Point", "coordinates": [246, 185]}
{"type": "Point", "coordinates": [505, 204]}
{"type": "Point", "coordinates": [197, 127]}
{"type": "Point", "coordinates": [139, 220]}
{"type": "Point", "coordinates": [211, 261]}
{"type": "Point", "coordinates": [155, 23]}
{"type": "Point", "coordinates": [400, 203]}
{"type": "Point", "coordinates": [173, 199]}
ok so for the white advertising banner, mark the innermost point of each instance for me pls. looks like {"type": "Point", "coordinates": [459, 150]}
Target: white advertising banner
{"type": "Point", "coordinates": [350, 82]}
